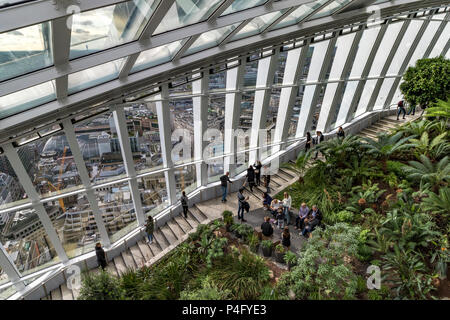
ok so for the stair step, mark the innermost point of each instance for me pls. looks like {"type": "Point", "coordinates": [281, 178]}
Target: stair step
{"type": "Point", "coordinates": [56, 294]}
{"type": "Point", "coordinates": [287, 173]}
{"type": "Point", "coordinates": [281, 177]}
{"type": "Point", "coordinates": [145, 250]}
{"type": "Point", "coordinates": [161, 239]}
{"type": "Point", "coordinates": [273, 182]}
{"type": "Point", "coordinates": [179, 233]}
{"type": "Point", "coordinates": [111, 268]}
{"type": "Point", "coordinates": [66, 293]}
{"type": "Point", "coordinates": [191, 220]}
{"type": "Point", "coordinates": [197, 214]}
{"type": "Point", "coordinates": [155, 247]}
{"type": "Point", "coordinates": [183, 224]}
{"type": "Point", "coordinates": [251, 194]}
{"type": "Point", "coordinates": [120, 264]}
{"type": "Point", "coordinates": [137, 256]}
{"type": "Point", "coordinates": [170, 236]}
{"type": "Point", "coordinates": [128, 259]}
{"type": "Point", "coordinates": [75, 293]}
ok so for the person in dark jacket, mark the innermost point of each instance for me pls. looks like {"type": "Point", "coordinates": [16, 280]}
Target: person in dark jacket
{"type": "Point", "coordinates": [251, 177]}
{"type": "Point", "coordinates": [224, 183]}
{"type": "Point", "coordinates": [258, 167]}
{"type": "Point", "coordinates": [308, 143]}
{"type": "Point", "coordinates": [267, 178]}
{"type": "Point", "coordinates": [241, 200]}
{"type": "Point", "coordinates": [312, 221]}
{"type": "Point", "coordinates": [341, 133]}
{"type": "Point", "coordinates": [267, 200]}
{"type": "Point", "coordinates": [319, 138]}
{"type": "Point", "coordinates": [401, 109]}
{"type": "Point", "coordinates": [149, 227]}
{"type": "Point", "coordinates": [101, 256]}
{"type": "Point", "coordinates": [286, 238]}
{"type": "Point", "coordinates": [266, 227]}
{"type": "Point", "coordinates": [184, 203]}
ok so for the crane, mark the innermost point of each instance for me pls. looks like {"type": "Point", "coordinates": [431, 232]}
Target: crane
{"type": "Point", "coordinates": [61, 168]}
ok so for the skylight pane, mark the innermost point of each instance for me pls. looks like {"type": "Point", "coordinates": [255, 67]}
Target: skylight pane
{"type": "Point", "coordinates": [156, 56]}
{"type": "Point", "coordinates": [186, 12]}
{"type": "Point", "coordinates": [239, 5]}
{"type": "Point", "coordinates": [211, 38]}
{"type": "Point", "coordinates": [25, 50]}
{"type": "Point", "coordinates": [94, 76]}
{"type": "Point", "coordinates": [107, 27]}
{"type": "Point", "coordinates": [330, 9]}
{"type": "Point", "coordinates": [258, 24]}
{"type": "Point", "coordinates": [299, 14]}
{"type": "Point", "coordinates": [26, 99]}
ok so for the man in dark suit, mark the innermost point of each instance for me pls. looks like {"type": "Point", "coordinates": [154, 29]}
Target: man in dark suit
{"type": "Point", "coordinates": [317, 141]}
{"type": "Point", "coordinates": [313, 219]}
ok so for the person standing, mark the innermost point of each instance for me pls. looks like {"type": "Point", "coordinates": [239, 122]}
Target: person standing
{"type": "Point", "coordinates": [302, 214]}
{"type": "Point", "coordinates": [412, 108]}
{"type": "Point", "coordinates": [149, 228]}
{"type": "Point", "coordinates": [184, 203]}
{"type": "Point", "coordinates": [286, 238]}
{"type": "Point", "coordinates": [101, 256]}
{"type": "Point", "coordinates": [267, 178]}
{"type": "Point", "coordinates": [241, 200]}
{"type": "Point", "coordinates": [224, 183]}
{"type": "Point", "coordinates": [258, 167]}
{"type": "Point", "coordinates": [341, 133]}
{"type": "Point", "coordinates": [251, 177]}
{"type": "Point", "coordinates": [318, 140]}
{"type": "Point", "coordinates": [401, 109]}
{"type": "Point", "coordinates": [287, 203]}
{"type": "Point", "coordinates": [308, 141]}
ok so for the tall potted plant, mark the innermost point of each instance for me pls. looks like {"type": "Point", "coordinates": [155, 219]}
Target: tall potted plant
{"type": "Point", "coordinates": [291, 259]}
{"type": "Point", "coordinates": [253, 241]}
{"type": "Point", "coordinates": [280, 250]}
{"type": "Point", "coordinates": [267, 248]}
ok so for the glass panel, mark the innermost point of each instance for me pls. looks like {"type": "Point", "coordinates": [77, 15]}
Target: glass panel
{"type": "Point", "coordinates": [239, 5]}
{"type": "Point", "coordinates": [364, 48]}
{"type": "Point", "coordinates": [143, 130]}
{"type": "Point", "coordinates": [440, 44]}
{"type": "Point", "coordinates": [338, 105]}
{"type": "Point", "coordinates": [279, 72]}
{"type": "Point", "coordinates": [392, 31]}
{"type": "Point", "coordinates": [331, 8]}
{"type": "Point", "coordinates": [424, 42]}
{"type": "Point", "coordinates": [309, 54]}
{"type": "Point", "coordinates": [347, 98]}
{"type": "Point", "coordinates": [27, 243]}
{"type": "Point", "coordinates": [299, 14]}
{"type": "Point", "coordinates": [317, 108]}
{"type": "Point", "coordinates": [211, 38]}
{"type": "Point", "coordinates": [182, 123]}
{"type": "Point", "coordinates": [156, 56]}
{"type": "Point", "coordinates": [100, 147]}
{"type": "Point", "coordinates": [317, 59]}
{"type": "Point", "coordinates": [26, 99]}
{"type": "Point", "coordinates": [107, 27]}
{"type": "Point", "coordinates": [217, 80]}
{"type": "Point", "coordinates": [94, 76]}
{"type": "Point", "coordinates": [296, 113]}
{"type": "Point", "coordinates": [185, 180]}
{"type": "Point", "coordinates": [50, 165]}
{"type": "Point", "coordinates": [404, 47]}
{"type": "Point", "coordinates": [186, 12]}
{"type": "Point", "coordinates": [153, 193]}
{"type": "Point", "coordinates": [117, 209]}
{"type": "Point", "coordinates": [258, 24]}
{"type": "Point", "coordinates": [25, 50]}
{"type": "Point", "coordinates": [384, 91]}
{"type": "Point", "coordinates": [73, 220]}
{"type": "Point", "coordinates": [11, 191]}
{"type": "Point", "coordinates": [7, 3]}
{"type": "Point", "coordinates": [215, 135]}
{"type": "Point", "coordinates": [8, 290]}
{"type": "Point", "coordinates": [365, 97]}
{"type": "Point", "coordinates": [271, 121]}
{"type": "Point", "coordinates": [251, 70]}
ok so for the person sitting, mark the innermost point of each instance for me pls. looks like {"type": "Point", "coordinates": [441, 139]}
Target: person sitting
{"type": "Point", "coordinates": [274, 206]}
{"type": "Point", "coordinates": [286, 238]}
{"type": "Point", "coordinates": [266, 227]}
{"type": "Point", "coordinates": [341, 133]}
{"type": "Point", "coordinates": [302, 214]}
{"type": "Point", "coordinates": [280, 218]}
{"type": "Point", "coordinates": [312, 221]}
{"type": "Point", "coordinates": [267, 200]}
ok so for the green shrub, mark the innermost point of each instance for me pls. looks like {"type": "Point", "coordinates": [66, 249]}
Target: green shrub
{"type": "Point", "coordinates": [101, 286]}
{"type": "Point", "coordinates": [396, 167]}
{"type": "Point", "coordinates": [267, 244]}
{"type": "Point", "coordinates": [290, 258]}
{"type": "Point", "coordinates": [344, 216]}
{"type": "Point", "coordinates": [208, 291]}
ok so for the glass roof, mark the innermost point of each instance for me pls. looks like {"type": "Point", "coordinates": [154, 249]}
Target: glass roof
{"type": "Point", "coordinates": [258, 24]}
{"type": "Point", "coordinates": [25, 50]}
{"type": "Point", "coordinates": [239, 5]}
{"type": "Point", "coordinates": [26, 99]}
{"type": "Point", "coordinates": [331, 8]}
{"type": "Point", "coordinates": [299, 14]}
{"type": "Point", "coordinates": [186, 12]}
{"type": "Point", "coordinates": [110, 26]}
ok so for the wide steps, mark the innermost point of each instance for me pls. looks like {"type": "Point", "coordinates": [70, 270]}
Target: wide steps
{"type": "Point", "coordinates": [183, 224]}
{"type": "Point", "coordinates": [137, 255]}
{"type": "Point", "coordinates": [128, 259]}
{"type": "Point", "coordinates": [179, 233]}
{"type": "Point", "coordinates": [56, 294]}
{"type": "Point", "coordinates": [161, 239]}
{"type": "Point", "coordinates": [145, 249]}
{"type": "Point", "coordinates": [191, 220]}
{"type": "Point", "coordinates": [198, 215]}
{"type": "Point", "coordinates": [111, 268]}
{"type": "Point", "coordinates": [120, 264]}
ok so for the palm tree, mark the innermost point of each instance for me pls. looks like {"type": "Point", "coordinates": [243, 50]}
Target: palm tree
{"type": "Point", "coordinates": [385, 146]}
{"type": "Point", "coordinates": [437, 174]}
{"type": "Point", "coordinates": [339, 151]}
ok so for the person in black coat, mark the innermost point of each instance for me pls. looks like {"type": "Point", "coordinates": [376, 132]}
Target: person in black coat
{"type": "Point", "coordinates": [258, 167]}
{"type": "Point", "coordinates": [308, 141]}
{"type": "Point", "coordinates": [267, 178]}
{"type": "Point", "coordinates": [101, 256]}
{"type": "Point", "coordinates": [341, 133]}
{"type": "Point", "coordinates": [266, 227]}
{"type": "Point", "coordinates": [286, 238]}
{"type": "Point", "coordinates": [317, 141]}
{"type": "Point", "coordinates": [251, 177]}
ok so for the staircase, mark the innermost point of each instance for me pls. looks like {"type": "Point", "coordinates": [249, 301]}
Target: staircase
{"type": "Point", "coordinates": [384, 125]}
{"type": "Point", "coordinates": [177, 230]}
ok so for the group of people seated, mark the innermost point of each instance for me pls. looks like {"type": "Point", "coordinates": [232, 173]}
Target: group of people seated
{"type": "Point", "coordinates": [306, 220]}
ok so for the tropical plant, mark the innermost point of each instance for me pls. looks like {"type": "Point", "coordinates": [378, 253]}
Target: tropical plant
{"type": "Point", "coordinates": [437, 174]}
{"type": "Point", "coordinates": [360, 170]}
{"type": "Point", "coordinates": [208, 291]}
{"type": "Point", "coordinates": [415, 128]}
{"type": "Point", "coordinates": [300, 163]}
{"type": "Point", "coordinates": [227, 217]}
{"type": "Point", "coordinates": [427, 81]}
{"type": "Point", "coordinates": [338, 151]}
{"type": "Point", "coordinates": [438, 203]}
{"type": "Point", "coordinates": [253, 242]}
{"type": "Point", "coordinates": [434, 148]}
{"type": "Point", "coordinates": [216, 250]}
{"type": "Point", "coordinates": [385, 146]}
{"type": "Point", "coordinates": [440, 109]}
{"type": "Point", "coordinates": [242, 230]}
{"type": "Point", "coordinates": [100, 286]}
{"type": "Point", "coordinates": [291, 259]}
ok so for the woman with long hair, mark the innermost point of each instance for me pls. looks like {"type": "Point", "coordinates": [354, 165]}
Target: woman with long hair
{"type": "Point", "coordinates": [286, 238]}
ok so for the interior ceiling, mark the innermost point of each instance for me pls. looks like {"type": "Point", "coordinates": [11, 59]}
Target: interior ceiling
{"type": "Point", "coordinates": [353, 13]}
